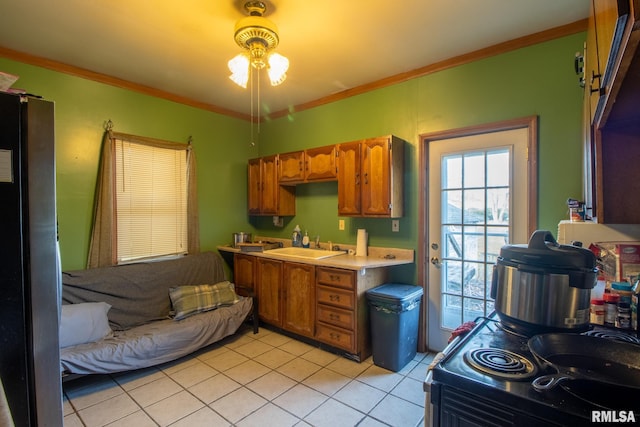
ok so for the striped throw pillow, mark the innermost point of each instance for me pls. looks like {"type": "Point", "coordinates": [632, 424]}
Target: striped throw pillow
{"type": "Point", "coordinates": [189, 300]}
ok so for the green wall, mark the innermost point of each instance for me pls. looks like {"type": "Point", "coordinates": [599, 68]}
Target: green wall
{"type": "Point", "coordinates": [537, 80]}
{"type": "Point", "coordinates": [82, 107]}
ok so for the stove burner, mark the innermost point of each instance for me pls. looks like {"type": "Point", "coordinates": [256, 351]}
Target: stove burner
{"type": "Point", "coordinates": [613, 335]}
{"type": "Point", "coordinates": [501, 363]}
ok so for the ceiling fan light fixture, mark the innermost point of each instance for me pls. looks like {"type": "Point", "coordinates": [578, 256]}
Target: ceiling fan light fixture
{"type": "Point", "coordinates": [259, 37]}
{"type": "Point", "coordinates": [278, 66]}
{"type": "Point", "coordinates": [239, 67]}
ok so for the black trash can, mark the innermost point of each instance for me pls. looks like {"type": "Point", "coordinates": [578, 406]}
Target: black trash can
{"type": "Point", "coordinates": [394, 310]}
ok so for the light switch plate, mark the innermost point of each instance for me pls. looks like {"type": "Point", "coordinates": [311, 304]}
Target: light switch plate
{"type": "Point", "coordinates": [341, 224]}
{"type": "Point", "coordinates": [395, 225]}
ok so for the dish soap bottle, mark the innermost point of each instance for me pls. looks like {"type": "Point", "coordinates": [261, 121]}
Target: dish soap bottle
{"type": "Point", "coordinates": [305, 239]}
{"type": "Point", "coordinates": [296, 238]}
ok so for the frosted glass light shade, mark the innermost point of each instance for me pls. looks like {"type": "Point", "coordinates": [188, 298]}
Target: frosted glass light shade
{"type": "Point", "coordinates": [239, 67]}
{"type": "Point", "coordinates": [278, 66]}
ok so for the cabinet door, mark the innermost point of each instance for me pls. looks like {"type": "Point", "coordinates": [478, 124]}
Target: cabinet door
{"type": "Point", "coordinates": [376, 179]}
{"type": "Point", "coordinates": [243, 273]}
{"type": "Point", "coordinates": [254, 184]}
{"type": "Point", "coordinates": [320, 163]}
{"type": "Point", "coordinates": [604, 31]}
{"type": "Point", "coordinates": [349, 179]}
{"type": "Point", "coordinates": [299, 298]}
{"type": "Point", "coordinates": [291, 167]}
{"type": "Point", "coordinates": [268, 280]}
{"type": "Point", "coordinates": [269, 176]}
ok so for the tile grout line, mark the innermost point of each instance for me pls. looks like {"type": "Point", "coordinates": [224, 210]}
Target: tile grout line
{"type": "Point", "coordinates": [196, 357]}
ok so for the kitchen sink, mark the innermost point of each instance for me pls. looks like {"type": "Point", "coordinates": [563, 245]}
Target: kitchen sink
{"type": "Point", "coordinates": [305, 253]}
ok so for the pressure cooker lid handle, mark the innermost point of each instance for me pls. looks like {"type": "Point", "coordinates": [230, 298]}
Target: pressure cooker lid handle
{"type": "Point", "coordinates": [539, 239]}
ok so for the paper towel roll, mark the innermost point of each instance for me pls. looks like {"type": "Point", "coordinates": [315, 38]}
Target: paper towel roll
{"type": "Point", "coordinates": [361, 242]}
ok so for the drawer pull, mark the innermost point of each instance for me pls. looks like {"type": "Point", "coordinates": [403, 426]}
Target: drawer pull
{"type": "Point", "coordinates": [334, 298]}
{"type": "Point", "coordinates": [334, 316]}
{"type": "Point", "coordinates": [334, 277]}
{"type": "Point", "coordinates": [334, 336]}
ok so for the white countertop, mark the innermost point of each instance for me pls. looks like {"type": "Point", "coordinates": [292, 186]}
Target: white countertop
{"type": "Point", "coordinates": [376, 258]}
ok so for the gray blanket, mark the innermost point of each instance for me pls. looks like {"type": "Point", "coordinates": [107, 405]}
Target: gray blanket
{"type": "Point", "coordinates": [139, 293]}
{"type": "Point", "coordinates": [154, 343]}
{"type": "Point", "coordinates": [144, 335]}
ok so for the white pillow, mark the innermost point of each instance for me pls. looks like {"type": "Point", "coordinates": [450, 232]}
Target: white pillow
{"type": "Point", "coordinates": [83, 323]}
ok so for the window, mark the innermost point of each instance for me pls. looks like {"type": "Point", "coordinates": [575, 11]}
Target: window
{"type": "Point", "coordinates": [146, 201]}
{"type": "Point", "coordinates": [151, 201]}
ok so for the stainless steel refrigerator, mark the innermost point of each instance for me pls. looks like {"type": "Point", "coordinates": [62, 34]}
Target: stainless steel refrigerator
{"type": "Point", "coordinates": [29, 263]}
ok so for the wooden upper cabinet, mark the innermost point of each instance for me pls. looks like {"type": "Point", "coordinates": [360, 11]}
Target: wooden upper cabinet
{"type": "Point", "coordinates": [314, 164]}
{"type": "Point", "coordinates": [607, 20]}
{"type": "Point", "coordinates": [254, 184]}
{"type": "Point", "coordinates": [291, 167]}
{"type": "Point", "coordinates": [320, 164]}
{"type": "Point", "coordinates": [370, 174]}
{"type": "Point", "coordinates": [612, 132]}
{"type": "Point", "coordinates": [270, 185]}
{"type": "Point", "coordinates": [265, 195]}
{"type": "Point", "coordinates": [349, 179]}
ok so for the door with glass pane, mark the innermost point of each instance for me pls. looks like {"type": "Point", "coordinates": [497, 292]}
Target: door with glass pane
{"type": "Point", "coordinates": [478, 201]}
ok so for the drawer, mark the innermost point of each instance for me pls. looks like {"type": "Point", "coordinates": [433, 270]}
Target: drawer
{"type": "Point", "coordinates": [335, 277]}
{"type": "Point", "coordinates": [335, 297]}
{"type": "Point", "coordinates": [336, 337]}
{"type": "Point", "coordinates": [336, 316]}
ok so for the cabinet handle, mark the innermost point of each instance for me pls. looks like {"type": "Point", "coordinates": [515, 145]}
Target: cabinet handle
{"type": "Point", "coordinates": [594, 76]}
{"type": "Point", "coordinates": [334, 278]}
{"type": "Point", "coordinates": [334, 298]}
{"type": "Point", "coordinates": [366, 178]}
{"type": "Point", "coordinates": [334, 336]}
{"type": "Point", "coordinates": [357, 179]}
{"type": "Point", "coordinates": [300, 163]}
{"type": "Point", "coordinates": [334, 316]}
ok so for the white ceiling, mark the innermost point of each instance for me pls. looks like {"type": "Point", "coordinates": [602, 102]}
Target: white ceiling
{"type": "Point", "coordinates": [182, 47]}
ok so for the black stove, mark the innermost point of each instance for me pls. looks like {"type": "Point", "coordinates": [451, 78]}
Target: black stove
{"type": "Point", "coordinates": [485, 379]}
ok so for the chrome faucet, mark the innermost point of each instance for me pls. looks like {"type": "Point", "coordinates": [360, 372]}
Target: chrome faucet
{"type": "Point", "coordinates": [318, 242]}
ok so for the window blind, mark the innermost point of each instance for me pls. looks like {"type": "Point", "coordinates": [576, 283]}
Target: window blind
{"type": "Point", "coordinates": [151, 201]}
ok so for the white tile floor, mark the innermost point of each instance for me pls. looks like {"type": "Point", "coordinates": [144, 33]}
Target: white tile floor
{"type": "Point", "coordinates": [266, 379]}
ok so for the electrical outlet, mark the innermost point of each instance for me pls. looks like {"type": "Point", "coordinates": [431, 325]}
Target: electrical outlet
{"type": "Point", "coordinates": [395, 225]}
{"type": "Point", "coordinates": [341, 224]}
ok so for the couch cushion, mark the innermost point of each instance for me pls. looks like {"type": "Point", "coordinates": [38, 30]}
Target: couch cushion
{"type": "Point", "coordinates": [139, 293]}
{"type": "Point", "coordinates": [188, 300]}
{"type": "Point", "coordinates": [83, 323]}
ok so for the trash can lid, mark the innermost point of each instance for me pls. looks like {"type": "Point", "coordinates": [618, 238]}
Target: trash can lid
{"type": "Point", "coordinates": [394, 292]}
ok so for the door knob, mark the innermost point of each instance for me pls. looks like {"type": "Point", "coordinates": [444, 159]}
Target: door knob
{"type": "Point", "coordinates": [436, 261]}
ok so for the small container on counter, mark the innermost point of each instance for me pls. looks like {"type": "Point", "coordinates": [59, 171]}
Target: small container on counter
{"type": "Point", "coordinates": [597, 311]}
{"type": "Point", "coordinates": [610, 308]}
{"type": "Point", "coordinates": [624, 289]}
{"type": "Point", "coordinates": [623, 318]}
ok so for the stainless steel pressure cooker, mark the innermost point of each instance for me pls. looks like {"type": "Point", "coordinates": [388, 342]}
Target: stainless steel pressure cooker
{"type": "Point", "coordinates": [543, 286]}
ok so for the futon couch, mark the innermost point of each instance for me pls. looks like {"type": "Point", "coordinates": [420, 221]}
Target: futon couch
{"type": "Point", "coordinates": [138, 315]}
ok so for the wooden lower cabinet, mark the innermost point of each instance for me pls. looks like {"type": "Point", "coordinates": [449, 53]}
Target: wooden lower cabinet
{"type": "Point", "coordinates": [299, 299]}
{"type": "Point", "coordinates": [244, 274]}
{"type": "Point", "coordinates": [325, 304]}
{"type": "Point", "coordinates": [268, 288]}
{"type": "Point", "coordinates": [342, 314]}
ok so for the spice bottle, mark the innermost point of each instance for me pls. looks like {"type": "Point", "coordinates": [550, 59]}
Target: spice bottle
{"type": "Point", "coordinates": [597, 311]}
{"type": "Point", "coordinates": [623, 319]}
{"type": "Point", "coordinates": [623, 289]}
{"type": "Point", "coordinates": [610, 308]}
